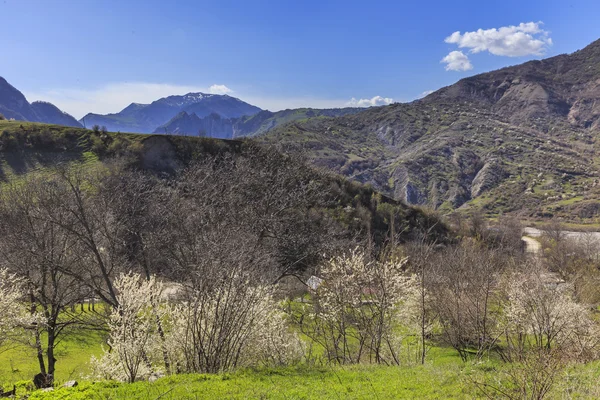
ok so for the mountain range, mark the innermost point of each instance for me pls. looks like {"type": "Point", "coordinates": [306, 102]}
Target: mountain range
{"type": "Point", "coordinates": [196, 114]}
{"type": "Point", "coordinates": [146, 118]}
{"type": "Point", "coordinates": [14, 105]}
{"type": "Point", "coordinates": [521, 139]}
{"type": "Point", "coordinates": [216, 126]}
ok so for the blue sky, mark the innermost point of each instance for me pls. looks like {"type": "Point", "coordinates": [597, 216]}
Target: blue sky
{"type": "Point", "coordinates": [99, 56]}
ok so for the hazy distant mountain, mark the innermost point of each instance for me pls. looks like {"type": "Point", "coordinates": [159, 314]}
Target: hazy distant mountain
{"type": "Point", "coordinates": [50, 114]}
{"type": "Point", "coordinates": [14, 105]}
{"type": "Point", "coordinates": [227, 128]}
{"type": "Point", "coordinates": [145, 118]}
{"type": "Point", "coordinates": [212, 125]}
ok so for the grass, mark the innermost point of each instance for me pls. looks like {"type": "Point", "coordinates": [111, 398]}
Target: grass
{"type": "Point", "coordinates": [443, 376]}
{"type": "Point", "coordinates": [439, 378]}
{"type": "Point", "coordinates": [570, 201]}
{"type": "Point", "coordinates": [19, 363]}
{"type": "Point", "coordinates": [356, 382]}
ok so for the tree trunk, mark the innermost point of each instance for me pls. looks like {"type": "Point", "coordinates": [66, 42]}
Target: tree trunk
{"type": "Point", "coordinates": [50, 350]}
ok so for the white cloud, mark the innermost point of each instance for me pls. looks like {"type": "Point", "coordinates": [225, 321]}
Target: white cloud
{"type": "Point", "coordinates": [374, 101]}
{"type": "Point", "coordinates": [512, 41]}
{"type": "Point", "coordinates": [457, 61]}
{"type": "Point", "coordinates": [113, 97]}
{"type": "Point", "coordinates": [219, 89]}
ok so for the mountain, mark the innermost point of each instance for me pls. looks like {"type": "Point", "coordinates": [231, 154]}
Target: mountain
{"type": "Point", "coordinates": [146, 118]}
{"type": "Point", "coordinates": [518, 140]}
{"type": "Point", "coordinates": [14, 105]}
{"type": "Point", "coordinates": [562, 89]}
{"type": "Point", "coordinates": [50, 114]}
{"type": "Point", "coordinates": [227, 128]}
{"type": "Point", "coordinates": [352, 210]}
{"type": "Point", "coordinates": [212, 125]}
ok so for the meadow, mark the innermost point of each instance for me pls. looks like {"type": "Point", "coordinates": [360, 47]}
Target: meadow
{"type": "Point", "coordinates": [443, 376]}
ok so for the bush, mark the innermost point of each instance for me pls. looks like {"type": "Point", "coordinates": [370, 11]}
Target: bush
{"type": "Point", "coordinates": [361, 310]}
{"type": "Point", "coordinates": [234, 326]}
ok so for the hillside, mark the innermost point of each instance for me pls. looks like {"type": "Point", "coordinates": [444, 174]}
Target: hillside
{"type": "Point", "coordinates": [146, 118]}
{"type": "Point", "coordinates": [32, 147]}
{"type": "Point", "coordinates": [216, 126]}
{"type": "Point", "coordinates": [518, 140]}
{"type": "Point", "coordinates": [14, 105]}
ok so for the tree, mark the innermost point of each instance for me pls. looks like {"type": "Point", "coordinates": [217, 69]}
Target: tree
{"type": "Point", "coordinates": [94, 229]}
{"type": "Point", "coordinates": [421, 262]}
{"type": "Point", "coordinates": [35, 247]}
{"type": "Point", "coordinates": [208, 332]}
{"type": "Point", "coordinates": [462, 294]}
{"type": "Point", "coordinates": [362, 309]}
{"type": "Point", "coordinates": [133, 329]}
{"type": "Point", "coordinates": [532, 377]}
{"type": "Point", "coordinates": [544, 315]}
{"type": "Point", "coordinates": [12, 309]}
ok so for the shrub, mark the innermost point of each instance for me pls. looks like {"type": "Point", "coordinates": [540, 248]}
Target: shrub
{"type": "Point", "coordinates": [133, 330]}
{"type": "Point", "coordinates": [12, 309]}
{"type": "Point", "coordinates": [357, 310]}
{"type": "Point", "coordinates": [211, 332]}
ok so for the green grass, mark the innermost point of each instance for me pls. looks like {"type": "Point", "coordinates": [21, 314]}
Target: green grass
{"type": "Point", "coordinates": [439, 378]}
{"type": "Point", "coordinates": [454, 380]}
{"type": "Point", "coordinates": [19, 363]}
{"type": "Point", "coordinates": [570, 201]}
{"type": "Point", "coordinates": [443, 376]}
{"type": "Point", "coordinates": [356, 382]}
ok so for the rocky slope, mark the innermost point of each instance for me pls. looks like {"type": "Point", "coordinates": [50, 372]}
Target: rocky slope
{"type": "Point", "coordinates": [146, 118]}
{"type": "Point", "coordinates": [521, 139]}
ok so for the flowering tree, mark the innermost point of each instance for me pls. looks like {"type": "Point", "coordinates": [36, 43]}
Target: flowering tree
{"type": "Point", "coordinates": [235, 325]}
{"type": "Point", "coordinates": [544, 330]}
{"type": "Point", "coordinates": [544, 315]}
{"type": "Point", "coordinates": [361, 308]}
{"type": "Point", "coordinates": [213, 331]}
{"type": "Point", "coordinates": [133, 332]}
{"type": "Point", "coordinates": [12, 309]}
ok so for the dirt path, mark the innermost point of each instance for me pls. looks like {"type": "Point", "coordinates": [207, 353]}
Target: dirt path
{"type": "Point", "coordinates": [534, 232]}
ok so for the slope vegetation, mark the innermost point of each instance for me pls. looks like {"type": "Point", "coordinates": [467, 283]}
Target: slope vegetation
{"type": "Point", "coordinates": [32, 147]}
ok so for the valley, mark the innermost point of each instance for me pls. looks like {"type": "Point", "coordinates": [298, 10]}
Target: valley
{"type": "Point", "coordinates": [463, 148]}
{"type": "Point", "coordinates": [194, 245]}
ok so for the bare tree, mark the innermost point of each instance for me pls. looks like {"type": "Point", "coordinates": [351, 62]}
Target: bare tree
{"type": "Point", "coordinates": [421, 261]}
{"type": "Point", "coordinates": [530, 378]}
{"type": "Point", "coordinates": [34, 246]}
{"type": "Point", "coordinates": [462, 297]}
